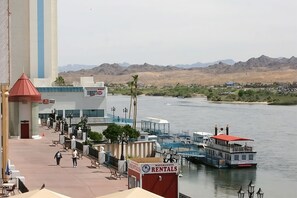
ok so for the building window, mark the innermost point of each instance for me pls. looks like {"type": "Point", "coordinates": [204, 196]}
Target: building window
{"type": "Point", "coordinates": [59, 114]}
{"type": "Point", "coordinates": [93, 112]}
{"type": "Point", "coordinates": [243, 157]}
{"type": "Point", "coordinates": [142, 137]}
{"type": "Point", "coordinates": [251, 157]}
{"type": "Point", "coordinates": [91, 93]}
{"type": "Point", "coordinates": [75, 113]}
{"type": "Point", "coordinates": [236, 157]}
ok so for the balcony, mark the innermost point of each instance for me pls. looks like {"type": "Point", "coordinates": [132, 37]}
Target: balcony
{"type": "Point", "coordinates": [231, 148]}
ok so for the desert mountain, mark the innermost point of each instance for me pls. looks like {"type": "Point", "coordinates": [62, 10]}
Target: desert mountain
{"type": "Point", "coordinates": [262, 69]}
{"type": "Point", "coordinates": [75, 67]}
{"type": "Point", "coordinates": [199, 64]}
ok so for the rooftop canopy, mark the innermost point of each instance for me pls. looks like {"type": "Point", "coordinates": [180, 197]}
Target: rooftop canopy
{"type": "Point", "coordinates": [22, 90]}
{"type": "Point", "coordinates": [229, 138]}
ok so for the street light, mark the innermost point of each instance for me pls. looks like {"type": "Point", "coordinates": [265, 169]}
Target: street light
{"type": "Point", "coordinates": [171, 158]}
{"type": "Point", "coordinates": [55, 111]}
{"type": "Point", "coordinates": [113, 110]}
{"type": "Point", "coordinates": [251, 191]}
{"type": "Point", "coordinates": [260, 193]}
{"type": "Point", "coordinates": [240, 193]}
{"type": "Point", "coordinates": [70, 116]}
{"type": "Point", "coordinates": [122, 148]}
{"type": "Point", "coordinates": [62, 130]}
{"type": "Point", "coordinates": [125, 110]}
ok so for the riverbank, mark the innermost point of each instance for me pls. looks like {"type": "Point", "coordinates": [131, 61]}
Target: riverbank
{"type": "Point", "coordinates": [270, 96]}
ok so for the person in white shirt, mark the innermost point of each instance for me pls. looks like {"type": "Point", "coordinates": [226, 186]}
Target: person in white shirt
{"type": "Point", "coordinates": [74, 158]}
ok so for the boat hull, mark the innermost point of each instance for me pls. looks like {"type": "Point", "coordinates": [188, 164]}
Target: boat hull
{"type": "Point", "coordinates": [218, 163]}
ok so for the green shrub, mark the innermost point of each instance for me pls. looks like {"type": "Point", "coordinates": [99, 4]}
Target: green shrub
{"type": "Point", "coordinates": [96, 136]}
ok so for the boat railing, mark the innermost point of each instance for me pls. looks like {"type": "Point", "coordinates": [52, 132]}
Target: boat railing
{"type": "Point", "coordinates": [231, 148]}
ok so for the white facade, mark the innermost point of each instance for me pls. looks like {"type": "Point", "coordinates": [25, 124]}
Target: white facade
{"type": "Point", "coordinates": [33, 39]}
{"type": "Point", "coordinates": [79, 101]}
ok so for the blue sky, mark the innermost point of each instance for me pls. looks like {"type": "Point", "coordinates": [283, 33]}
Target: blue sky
{"type": "Point", "coordinates": [169, 32]}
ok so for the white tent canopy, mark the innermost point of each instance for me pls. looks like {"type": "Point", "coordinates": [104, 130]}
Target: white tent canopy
{"type": "Point", "coordinates": [132, 193]}
{"type": "Point", "coordinates": [44, 193]}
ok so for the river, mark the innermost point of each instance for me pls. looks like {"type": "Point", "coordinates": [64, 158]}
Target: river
{"type": "Point", "coordinates": [274, 129]}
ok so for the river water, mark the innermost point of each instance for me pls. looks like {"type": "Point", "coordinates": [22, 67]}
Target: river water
{"type": "Point", "coordinates": [274, 129]}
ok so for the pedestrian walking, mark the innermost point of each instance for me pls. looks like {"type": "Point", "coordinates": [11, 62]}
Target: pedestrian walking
{"type": "Point", "coordinates": [58, 157]}
{"type": "Point", "coordinates": [74, 158]}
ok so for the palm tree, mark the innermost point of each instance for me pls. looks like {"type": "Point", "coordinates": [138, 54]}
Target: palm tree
{"type": "Point", "coordinates": [60, 81]}
{"type": "Point", "coordinates": [130, 84]}
{"type": "Point", "coordinates": [134, 93]}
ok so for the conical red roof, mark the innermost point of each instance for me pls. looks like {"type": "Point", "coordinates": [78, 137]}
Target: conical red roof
{"type": "Point", "coordinates": [23, 89]}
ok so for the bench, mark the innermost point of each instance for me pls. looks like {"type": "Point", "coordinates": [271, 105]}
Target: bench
{"type": "Point", "coordinates": [55, 142]}
{"type": "Point", "coordinates": [114, 173]}
{"type": "Point", "coordinates": [79, 155]}
{"type": "Point", "coordinates": [95, 164]}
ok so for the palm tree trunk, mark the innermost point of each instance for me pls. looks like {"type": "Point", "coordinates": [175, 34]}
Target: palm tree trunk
{"type": "Point", "coordinates": [135, 112]}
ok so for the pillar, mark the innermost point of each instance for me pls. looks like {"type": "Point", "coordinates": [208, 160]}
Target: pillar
{"type": "Point", "coordinates": [5, 128]}
{"type": "Point", "coordinates": [34, 119]}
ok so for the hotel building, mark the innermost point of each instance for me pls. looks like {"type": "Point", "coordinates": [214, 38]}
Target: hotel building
{"type": "Point", "coordinates": [33, 51]}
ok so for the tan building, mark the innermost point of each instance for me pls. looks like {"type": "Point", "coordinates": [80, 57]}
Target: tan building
{"type": "Point", "coordinates": [33, 39]}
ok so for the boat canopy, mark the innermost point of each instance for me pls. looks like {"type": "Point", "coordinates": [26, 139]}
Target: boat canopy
{"type": "Point", "coordinates": [202, 133]}
{"type": "Point", "coordinates": [229, 138]}
{"type": "Point", "coordinates": [155, 125]}
{"type": "Point", "coordinates": [155, 120]}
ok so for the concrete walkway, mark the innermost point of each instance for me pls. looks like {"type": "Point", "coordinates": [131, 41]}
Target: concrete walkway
{"type": "Point", "coordinates": [34, 158]}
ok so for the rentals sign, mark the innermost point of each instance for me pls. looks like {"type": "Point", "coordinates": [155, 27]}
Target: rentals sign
{"type": "Point", "coordinates": [159, 168]}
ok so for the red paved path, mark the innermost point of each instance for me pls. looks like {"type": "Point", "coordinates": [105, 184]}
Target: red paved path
{"type": "Point", "coordinates": [34, 158]}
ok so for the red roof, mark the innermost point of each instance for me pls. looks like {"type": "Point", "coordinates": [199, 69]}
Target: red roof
{"type": "Point", "coordinates": [228, 138]}
{"type": "Point", "coordinates": [23, 89]}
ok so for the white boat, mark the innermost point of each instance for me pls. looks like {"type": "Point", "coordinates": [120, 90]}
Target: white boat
{"type": "Point", "coordinates": [182, 137]}
{"type": "Point", "coordinates": [226, 151]}
{"type": "Point", "coordinates": [201, 138]}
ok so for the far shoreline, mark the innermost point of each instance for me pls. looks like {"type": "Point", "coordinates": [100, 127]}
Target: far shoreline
{"type": "Point", "coordinates": [203, 96]}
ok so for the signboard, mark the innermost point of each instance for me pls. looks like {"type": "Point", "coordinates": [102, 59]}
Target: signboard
{"type": "Point", "coordinates": [159, 168]}
{"type": "Point", "coordinates": [48, 101]}
{"type": "Point", "coordinates": [93, 91]}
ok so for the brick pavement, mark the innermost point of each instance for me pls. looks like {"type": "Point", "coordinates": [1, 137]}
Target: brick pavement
{"type": "Point", "coordinates": [34, 158]}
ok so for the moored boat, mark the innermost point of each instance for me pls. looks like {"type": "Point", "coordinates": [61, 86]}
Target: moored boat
{"type": "Point", "coordinates": [200, 138]}
{"type": "Point", "coordinates": [226, 151]}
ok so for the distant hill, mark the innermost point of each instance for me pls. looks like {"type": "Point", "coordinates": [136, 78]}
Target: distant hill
{"type": "Point", "coordinates": [116, 69]}
{"type": "Point", "coordinates": [199, 64]}
{"type": "Point", "coordinates": [74, 67]}
{"type": "Point", "coordinates": [77, 67]}
{"type": "Point", "coordinates": [262, 69]}
{"type": "Point", "coordinates": [262, 63]}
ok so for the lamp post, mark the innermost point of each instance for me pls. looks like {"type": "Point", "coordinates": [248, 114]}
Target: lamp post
{"type": "Point", "coordinates": [240, 193]}
{"type": "Point", "coordinates": [113, 110]}
{"type": "Point", "coordinates": [70, 116]}
{"type": "Point", "coordinates": [171, 158]}
{"type": "Point", "coordinates": [62, 130]}
{"type": "Point", "coordinates": [55, 115]}
{"type": "Point", "coordinates": [125, 110]}
{"type": "Point", "coordinates": [251, 191]}
{"type": "Point", "coordinates": [122, 148]}
{"type": "Point", "coordinates": [260, 193]}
